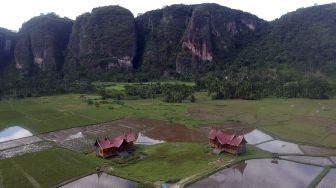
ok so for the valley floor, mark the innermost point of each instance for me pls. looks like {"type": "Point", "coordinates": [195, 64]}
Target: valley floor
{"type": "Point", "coordinates": [60, 128]}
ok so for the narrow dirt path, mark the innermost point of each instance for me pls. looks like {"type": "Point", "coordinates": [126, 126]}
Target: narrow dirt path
{"type": "Point", "coordinates": [30, 178]}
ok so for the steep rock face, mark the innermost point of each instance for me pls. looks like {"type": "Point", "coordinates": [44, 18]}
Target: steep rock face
{"type": "Point", "coordinates": [160, 33]}
{"type": "Point", "coordinates": [7, 46]}
{"type": "Point", "coordinates": [181, 38]}
{"type": "Point", "coordinates": [103, 40]}
{"type": "Point", "coordinates": [41, 43]}
{"type": "Point", "coordinates": [214, 34]}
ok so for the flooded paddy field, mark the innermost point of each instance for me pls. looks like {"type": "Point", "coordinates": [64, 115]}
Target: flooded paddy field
{"type": "Point", "coordinates": [19, 142]}
{"type": "Point", "coordinates": [329, 181]}
{"type": "Point", "coordinates": [13, 132]}
{"type": "Point", "coordinates": [145, 140]}
{"type": "Point", "coordinates": [261, 173]}
{"type": "Point", "coordinates": [16, 141]}
{"type": "Point", "coordinates": [256, 137]}
{"type": "Point", "coordinates": [320, 161]}
{"type": "Point", "coordinates": [313, 150]}
{"type": "Point", "coordinates": [278, 146]}
{"type": "Point", "coordinates": [333, 159]}
{"type": "Point", "coordinates": [101, 180]}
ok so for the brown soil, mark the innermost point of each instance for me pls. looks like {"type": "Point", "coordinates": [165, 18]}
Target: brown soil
{"type": "Point", "coordinates": [172, 132]}
{"type": "Point", "coordinates": [319, 121]}
{"type": "Point", "coordinates": [177, 133]}
{"type": "Point", "coordinates": [330, 123]}
{"type": "Point", "coordinates": [226, 127]}
{"type": "Point", "coordinates": [155, 129]}
{"type": "Point", "coordinates": [312, 150]}
{"type": "Point", "coordinates": [206, 113]}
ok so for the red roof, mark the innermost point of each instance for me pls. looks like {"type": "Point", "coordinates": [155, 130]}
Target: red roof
{"type": "Point", "coordinates": [116, 141]}
{"type": "Point", "coordinates": [212, 133]}
{"type": "Point", "coordinates": [103, 143]}
{"type": "Point", "coordinates": [224, 138]}
{"type": "Point", "coordinates": [130, 136]}
{"type": "Point", "coordinates": [237, 140]}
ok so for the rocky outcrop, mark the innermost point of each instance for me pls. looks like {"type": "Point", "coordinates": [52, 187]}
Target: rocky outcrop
{"type": "Point", "coordinates": [214, 34]}
{"type": "Point", "coordinates": [7, 45]}
{"type": "Point", "coordinates": [41, 43]}
{"type": "Point", "coordinates": [173, 41]}
{"type": "Point", "coordinates": [182, 38]}
{"type": "Point", "coordinates": [160, 33]}
{"type": "Point", "coordinates": [103, 40]}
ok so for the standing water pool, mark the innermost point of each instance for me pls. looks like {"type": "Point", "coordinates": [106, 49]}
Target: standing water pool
{"type": "Point", "coordinates": [258, 173]}
{"type": "Point", "coordinates": [14, 132]}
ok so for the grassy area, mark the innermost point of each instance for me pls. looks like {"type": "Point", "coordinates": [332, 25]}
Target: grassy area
{"type": "Point", "coordinates": [318, 178]}
{"type": "Point", "coordinates": [45, 114]}
{"type": "Point", "coordinates": [45, 169]}
{"type": "Point", "coordinates": [169, 161]}
{"type": "Point", "coordinates": [174, 161]}
{"type": "Point", "coordinates": [299, 120]}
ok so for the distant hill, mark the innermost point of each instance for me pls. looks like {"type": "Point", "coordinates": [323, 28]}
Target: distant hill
{"type": "Point", "coordinates": [180, 41]}
{"type": "Point", "coordinates": [299, 42]}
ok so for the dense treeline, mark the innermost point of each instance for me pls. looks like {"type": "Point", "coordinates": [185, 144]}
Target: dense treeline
{"type": "Point", "coordinates": [314, 87]}
{"type": "Point", "coordinates": [172, 93]}
{"type": "Point", "coordinates": [43, 86]}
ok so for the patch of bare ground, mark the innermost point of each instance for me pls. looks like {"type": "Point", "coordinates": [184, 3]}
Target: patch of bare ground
{"type": "Point", "coordinates": [98, 130]}
{"type": "Point", "coordinates": [211, 114]}
{"type": "Point", "coordinates": [227, 127]}
{"type": "Point", "coordinates": [313, 150]}
{"type": "Point", "coordinates": [18, 142]}
{"type": "Point", "coordinates": [172, 132]}
{"type": "Point", "coordinates": [31, 148]}
{"type": "Point", "coordinates": [314, 120]}
{"type": "Point", "coordinates": [84, 145]}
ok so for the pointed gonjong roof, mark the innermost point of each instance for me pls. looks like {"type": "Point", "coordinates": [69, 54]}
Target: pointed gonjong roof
{"type": "Point", "coordinates": [115, 141]}
{"type": "Point", "coordinates": [225, 138]}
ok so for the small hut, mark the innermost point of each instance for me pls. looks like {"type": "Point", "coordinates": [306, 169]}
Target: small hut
{"type": "Point", "coordinates": [230, 143]}
{"type": "Point", "coordinates": [108, 147]}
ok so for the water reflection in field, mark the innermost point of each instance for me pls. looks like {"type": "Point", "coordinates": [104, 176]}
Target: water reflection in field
{"type": "Point", "coordinates": [262, 173]}
{"type": "Point", "coordinates": [12, 133]}
{"type": "Point", "coordinates": [101, 180]}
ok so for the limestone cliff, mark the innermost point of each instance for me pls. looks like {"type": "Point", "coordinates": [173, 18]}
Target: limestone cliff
{"type": "Point", "coordinates": [7, 45]}
{"type": "Point", "coordinates": [182, 38]}
{"type": "Point", "coordinates": [161, 32]}
{"type": "Point", "coordinates": [103, 40]}
{"type": "Point", "coordinates": [41, 43]}
{"type": "Point", "coordinates": [214, 33]}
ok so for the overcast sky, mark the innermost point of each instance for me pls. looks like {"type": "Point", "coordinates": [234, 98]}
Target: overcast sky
{"type": "Point", "coordinates": [14, 12]}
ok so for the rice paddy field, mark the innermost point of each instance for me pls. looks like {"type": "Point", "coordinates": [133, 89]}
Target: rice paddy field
{"type": "Point", "coordinates": [183, 125]}
{"type": "Point", "coordinates": [44, 169]}
{"type": "Point", "coordinates": [305, 121]}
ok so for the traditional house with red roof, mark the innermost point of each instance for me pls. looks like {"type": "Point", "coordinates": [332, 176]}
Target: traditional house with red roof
{"type": "Point", "coordinates": [108, 147]}
{"type": "Point", "coordinates": [230, 143]}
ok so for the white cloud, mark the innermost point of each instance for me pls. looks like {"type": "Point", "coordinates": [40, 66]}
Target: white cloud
{"type": "Point", "coordinates": [14, 12]}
